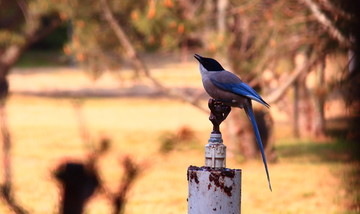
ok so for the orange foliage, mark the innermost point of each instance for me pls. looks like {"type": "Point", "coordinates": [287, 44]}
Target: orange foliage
{"type": "Point", "coordinates": [168, 3]}
{"type": "Point", "coordinates": [80, 57]}
{"type": "Point", "coordinates": [134, 15]}
{"type": "Point", "coordinates": [67, 50]}
{"type": "Point", "coordinates": [212, 47]}
{"type": "Point", "coordinates": [80, 23]}
{"type": "Point", "coordinates": [152, 10]}
{"type": "Point", "coordinates": [151, 39]}
{"type": "Point", "coordinates": [172, 24]}
{"type": "Point", "coordinates": [272, 43]}
{"type": "Point", "coordinates": [181, 28]}
{"type": "Point", "coordinates": [63, 16]}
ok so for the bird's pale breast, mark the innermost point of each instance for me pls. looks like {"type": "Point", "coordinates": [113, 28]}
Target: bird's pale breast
{"type": "Point", "coordinates": [226, 96]}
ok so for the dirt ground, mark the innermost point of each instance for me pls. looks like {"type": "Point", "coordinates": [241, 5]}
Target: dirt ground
{"type": "Point", "coordinates": [308, 177]}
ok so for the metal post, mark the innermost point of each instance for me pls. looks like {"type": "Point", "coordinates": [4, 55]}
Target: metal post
{"type": "Point", "coordinates": [213, 188]}
{"type": "Point", "coordinates": [215, 152]}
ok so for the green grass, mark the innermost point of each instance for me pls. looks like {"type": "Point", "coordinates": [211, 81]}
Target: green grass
{"type": "Point", "coordinates": [38, 58]}
{"type": "Point", "coordinates": [343, 158]}
{"type": "Point", "coordinates": [328, 151]}
{"type": "Point", "coordinates": [310, 177]}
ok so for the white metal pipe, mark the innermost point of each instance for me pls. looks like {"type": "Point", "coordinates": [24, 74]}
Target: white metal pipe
{"type": "Point", "coordinates": [215, 152]}
{"type": "Point", "coordinates": [214, 190]}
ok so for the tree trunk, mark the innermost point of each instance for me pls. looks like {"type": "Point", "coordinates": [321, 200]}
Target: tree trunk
{"type": "Point", "coordinates": [9, 58]}
{"type": "Point", "coordinates": [319, 100]}
{"type": "Point", "coordinates": [11, 54]}
{"type": "Point", "coordinates": [305, 109]}
{"type": "Point", "coordinates": [79, 182]}
{"type": "Point", "coordinates": [209, 28]}
{"type": "Point", "coordinates": [241, 137]}
{"type": "Point", "coordinates": [296, 128]}
{"type": "Point", "coordinates": [327, 23]}
{"type": "Point", "coordinates": [221, 16]}
{"type": "Point", "coordinates": [240, 134]}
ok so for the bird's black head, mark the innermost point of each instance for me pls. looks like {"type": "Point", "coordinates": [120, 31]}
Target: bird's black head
{"type": "Point", "coordinates": [209, 63]}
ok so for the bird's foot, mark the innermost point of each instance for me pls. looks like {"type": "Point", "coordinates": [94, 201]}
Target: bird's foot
{"type": "Point", "coordinates": [219, 112]}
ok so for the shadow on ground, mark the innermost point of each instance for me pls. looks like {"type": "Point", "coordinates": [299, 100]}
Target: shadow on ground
{"type": "Point", "coordinates": [335, 151]}
{"type": "Point", "coordinates": [345, 149]}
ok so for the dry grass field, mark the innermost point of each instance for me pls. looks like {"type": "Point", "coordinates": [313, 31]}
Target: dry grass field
{"type": "Point", "coordinates": [309, 177]}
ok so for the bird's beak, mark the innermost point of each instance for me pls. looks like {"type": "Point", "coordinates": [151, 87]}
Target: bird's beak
{"type": "Point", "coordinates": [198, 57]}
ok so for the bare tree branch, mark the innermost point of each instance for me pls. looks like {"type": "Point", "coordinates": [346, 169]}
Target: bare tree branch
{"type": "Point", "coordinates": [6, 186]}
{"type": "Point", "coordinates": [8, 58]}
{"type": "Point", "coordinates": [189, 8]}
{"type": "Point", "coordinates": [330, 7]}
{"type": "Point", "coordinates": [38, 35]}
{"type": "Point", "coordinates": [322, 19]}
{"type": "Point", "coordinates": [222, 6]}
{"type": "Point", "coordinates": [280, 92]}
{"type": "Point", "coordinates": [12, 53]}
{"type": "Point", "coordinates": [138, 64]}
{"type": "Point", "coordinates": [132, 172]}
{"type": "Point", "coordinates": [82, 125]}
{"type": "Point", "coordinates": [23, 7]}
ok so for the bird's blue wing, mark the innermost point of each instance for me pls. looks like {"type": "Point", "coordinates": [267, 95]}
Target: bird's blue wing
{"type": "Point", "coordinates": [240, 88]}
{"type": "Point", "coordinates": [250, 113]}
{"type": "Point", "coordinates": [228, 81]}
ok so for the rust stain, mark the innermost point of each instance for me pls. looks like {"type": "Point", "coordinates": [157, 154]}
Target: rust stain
{"type": "Point", "coordinates": [192, 175]}
{"type": "Point", "coordinates": [218, 178]}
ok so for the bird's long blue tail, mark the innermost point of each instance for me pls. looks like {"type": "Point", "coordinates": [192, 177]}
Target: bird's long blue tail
{"type": "Point", "coordinates": [250, 113]}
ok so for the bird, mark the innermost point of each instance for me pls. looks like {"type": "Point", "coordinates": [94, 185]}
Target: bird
{"type": "Point", "coordinates": [228, 88]}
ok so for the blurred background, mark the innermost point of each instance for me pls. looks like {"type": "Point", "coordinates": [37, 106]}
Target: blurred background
{"type": "Point", "coordinates": [102, 105]}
